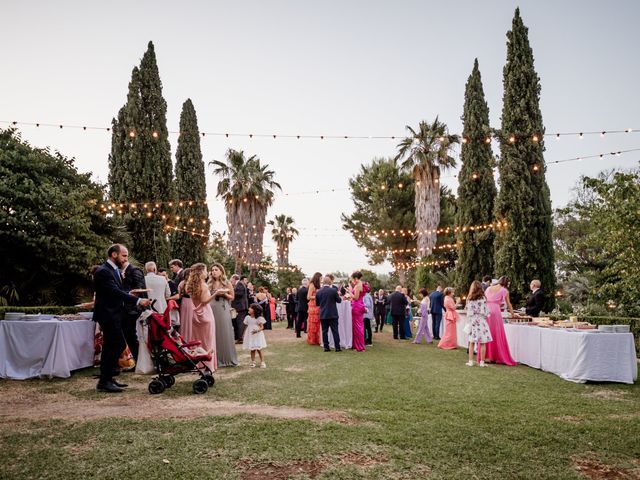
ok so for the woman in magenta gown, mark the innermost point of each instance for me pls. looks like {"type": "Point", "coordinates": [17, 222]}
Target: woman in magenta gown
{"type": "Point", "coordinates": [498, 349]}
{"type": "Point", "coordinates": [357, 310]}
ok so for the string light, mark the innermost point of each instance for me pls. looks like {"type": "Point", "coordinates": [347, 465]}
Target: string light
{"type": "Point", "coordinates": [443, 230]}
{"type": "Point", "coordinates": [155, 134]}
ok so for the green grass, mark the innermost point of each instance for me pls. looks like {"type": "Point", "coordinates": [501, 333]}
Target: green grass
{"type": "Point", "coordinates": [417, 412]}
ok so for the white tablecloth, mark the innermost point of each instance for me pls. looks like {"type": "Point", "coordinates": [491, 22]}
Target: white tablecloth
{"type": "Point", "coordinates": [575, 356]}
{"type": "Point", "coordinates": [345, 326]}
{"type": "Point", "coordinates": [46, 348]}
{"type": "Point", "coordinates": [461, 337]}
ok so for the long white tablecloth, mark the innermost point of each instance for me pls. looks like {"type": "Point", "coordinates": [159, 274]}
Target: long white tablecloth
{"type": "Point", "coordinates": [575, 356]}
{"type": "Point", "coordinates": [46, 348]}
{"type": "Point", "coordinates": [345, 326]}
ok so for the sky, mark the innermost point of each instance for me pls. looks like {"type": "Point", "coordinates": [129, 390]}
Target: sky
{"type": "Point", "coordinates": [365, 68]}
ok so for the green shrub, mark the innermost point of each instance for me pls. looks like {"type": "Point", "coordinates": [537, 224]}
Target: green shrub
{"type": "Point", "coordinates": [45, 310]}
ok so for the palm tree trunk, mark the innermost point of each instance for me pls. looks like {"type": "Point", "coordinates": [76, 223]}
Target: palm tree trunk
{"type": "Point", "coordinates": [427, 205]}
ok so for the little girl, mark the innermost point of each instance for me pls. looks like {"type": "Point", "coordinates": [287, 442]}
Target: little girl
{"type": "Point", "coordinates": [253, 335]}
{"type": "Point", "coordinates": [477, 313]}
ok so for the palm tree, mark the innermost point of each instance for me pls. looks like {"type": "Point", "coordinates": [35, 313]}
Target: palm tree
{"type": "Point", "coordinates": [424, 153]}
{"type": "Point", "coordinates": [247, 188]}
{"type": "Point", "coordinates": [282, 233]}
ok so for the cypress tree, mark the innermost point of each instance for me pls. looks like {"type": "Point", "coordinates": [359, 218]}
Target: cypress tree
{"type": "Point", "coordinates": [191, 190]}
{"type": "Point", "coordinates": [524, 250]}
{"type": "Point", "coordinates": [141, 169]}
{"type": "Point", "coordinates": [477, 189]}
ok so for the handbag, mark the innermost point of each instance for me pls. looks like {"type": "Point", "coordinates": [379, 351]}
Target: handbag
{"type": "Point", "coordinates": [467, 328]}
{"type": "Point", "coordinates": [234, 313]}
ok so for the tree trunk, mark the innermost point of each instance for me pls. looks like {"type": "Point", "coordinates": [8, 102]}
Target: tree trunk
{"type": "Point", "coordinates": [427, 205]}
{"type": "Point", "coordinates": [402, 276]}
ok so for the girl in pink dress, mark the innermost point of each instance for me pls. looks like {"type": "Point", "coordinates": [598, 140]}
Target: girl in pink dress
{"type": "Point", "coordinates": [357, 311]}
{"type": "Point", "coordinates": [450, 339]}
{"type": "Point", "coordinates": [498, 349]}
{"type": "Point", "coordinates": [203, 323]}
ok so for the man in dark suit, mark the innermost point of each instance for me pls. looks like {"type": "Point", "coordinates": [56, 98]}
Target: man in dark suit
{"type": "Point", "coordinates": [303, 307]}
{"type": "Point", "coordinates": [291, 307]}
{"type": "Point", "coordinates": [378, 309]}
{"type": "Point", "coordinates": [437, 304]}
{"type": "Point", "coordinates": [327, 298]}
{"type": "Point", "coordinates": [176, 267]}
{"type": "Point", "coordinates": [535, 300]}
{"type": "Point", "coordinates": [110, 306]}
{"type": "Point", "coordinates": [133, 278]}
{"type": "Point", "coordinates": [241, 304]}
{"type": "Point", "coordinates": [398, 303]}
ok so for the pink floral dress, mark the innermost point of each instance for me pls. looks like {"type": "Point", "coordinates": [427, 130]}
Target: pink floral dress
{"type": "Point", "coordinates": [477, 313]}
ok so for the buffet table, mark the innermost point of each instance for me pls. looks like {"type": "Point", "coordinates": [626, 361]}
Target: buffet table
{"type": "Point", "coordinates": [577, 356]}
{"type": "Point", "coordinates": [45, 348]}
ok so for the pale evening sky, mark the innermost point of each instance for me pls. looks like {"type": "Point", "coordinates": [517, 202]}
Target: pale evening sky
{"type": "Point", "coordinates": [320, 68]}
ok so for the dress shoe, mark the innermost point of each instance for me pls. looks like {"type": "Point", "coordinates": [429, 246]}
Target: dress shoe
{"type": "Point", "coordinates": [338, 349]}
{"type": "Point", "coordinates": [108, 387]}
{"type": "Point", "coordinates": [118, 384]}
{"type": "Point", "coordinates": [327, 349]}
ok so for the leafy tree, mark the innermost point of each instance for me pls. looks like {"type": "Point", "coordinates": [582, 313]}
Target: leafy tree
{"type": "Point", "coordinates": [191, 191]}
{"type": "Point", "coordinates": [597, 242]}
{"type": "Point", "coordinates": [282, 233]}
{"type": "Point", "coordinates": [287, 279]}
{"type": "Point", "coordinates": [523, 250]}
{"type": "Point", "coordinates": [381, 213]}
{"type": "Point", "coordinates": [217, 253]}
{"type": "Point", "coordinates": [51, 228]}
{"type": "Point", "coordinates": [372, 279]}
{"type": "Point", "coordinates": [424, 153]}
{"type": "Point", "coordinates": [247, 188]}
{"type": "Point", "coordinates": [476, 189]}
{"type": "Point", "coordinates": [141, 172]}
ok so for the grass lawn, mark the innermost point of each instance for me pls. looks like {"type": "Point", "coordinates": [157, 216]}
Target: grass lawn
{"type": "Point", "coordinates": [397, 411]}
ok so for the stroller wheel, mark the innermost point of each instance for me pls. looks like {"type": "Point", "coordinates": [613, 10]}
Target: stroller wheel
{"type": "Point", "coordinates": [156, 386]}
{"type": "Point", "coordinates": [168, 380]}
{"type": "Point", "coordinates": [209, 379]}
{"type": "Point", "coordinates": [200, 386]}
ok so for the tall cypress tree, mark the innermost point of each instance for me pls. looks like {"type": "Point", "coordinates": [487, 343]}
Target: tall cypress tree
{"type": "Point", "coordinates": [141, 169]}
{"type": "Point", "coordinates": [524, 250]}
{"type": "Point", "coordinates": [191, 191]}
{"type": "Point", "coordinates": [477, 189]}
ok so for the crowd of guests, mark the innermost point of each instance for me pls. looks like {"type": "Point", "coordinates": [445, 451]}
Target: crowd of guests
{"type": "Point", "coordinates": [220, 313]}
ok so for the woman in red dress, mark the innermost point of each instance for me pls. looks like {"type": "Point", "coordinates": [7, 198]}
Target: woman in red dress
{"type": "Point", "coordinates": [313, 322]}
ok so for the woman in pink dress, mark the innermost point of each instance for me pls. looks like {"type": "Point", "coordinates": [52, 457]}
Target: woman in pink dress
{"type": "Point", "coordinates": [450, 339]}
{"type": "Point", "coordinates": [498, 349]}
{"type": "Point", "coordinates": [272, 307]}
{"type": "Point", "coordinates": [203, 323]}
{"type": "Point", "coordinates": [186, 308]}
{"type": "Point", "coordinates": [357, 310]}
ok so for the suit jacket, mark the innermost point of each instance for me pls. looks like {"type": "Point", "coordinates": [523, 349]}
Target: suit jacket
{"type": "Point", "coordinates": [111, 298]}
{"type": "Point", "coordinates": [179, 277]}
{"type": "Point", "coordinates": [535, 302]}
{"type": "Point", "coordinates": [398, 303]}
{"type": "Point", "coordinates": [241, 297]}
{"type": "Point", "coordinates": [379, 304]}
{"type": "Point", "coordinates": [303, 303]}
{"type": "Point", "coordinates": [291, 303]}
{"type": "Point", "coordinates": [368, 302]}
{"type": "Point", "coordinates": [437, 302]}
{"type": "Point", "coordinates": [133, 278]}
{"type": "Point", "coordinates": [327, 298]}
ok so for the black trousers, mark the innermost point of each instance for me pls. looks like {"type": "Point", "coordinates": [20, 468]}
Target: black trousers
{"type": "Point", "coordinates": [238, 324]}
{"type": "Point", "coordinates": [301, 322]}
{"type": "Point", "coordinates": [380, 314]}
{"type": "Point", "coordinates": [113, 344]}
{"type": "Point", "coordinates": [291, 318]}
{"type": "Point", "coordinates": [437, 318]}
{"type": "Point", "coordinates": [368, 335]}
{"type": "Point", "coordinates": [333, 324]}
{"type": "Point", "coordinates": [129, 321]}
{"type": "Point", "coordinates": [398, 325]}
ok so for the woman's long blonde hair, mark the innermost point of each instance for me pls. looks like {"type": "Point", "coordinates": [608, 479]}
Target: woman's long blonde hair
{"type": "Point", "coordinates": [196, 277]}
{"type": "Point", "coordinates": [223, 278]}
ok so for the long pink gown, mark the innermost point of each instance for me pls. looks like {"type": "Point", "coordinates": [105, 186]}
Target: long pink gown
{"type": "Point", "coordinates": [450, 339]}
{"type": "Point", "coordinates": [203, 328]}
{"type": "Point", "coordinates": [357, 318]}
{"type": "Point", "coordinates": [186, 319]}
{"type": "Point", "coordinates": [498, 349]}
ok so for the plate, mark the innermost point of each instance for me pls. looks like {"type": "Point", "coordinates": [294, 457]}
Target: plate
{"type": "Point", "coordinates": [140, 290]}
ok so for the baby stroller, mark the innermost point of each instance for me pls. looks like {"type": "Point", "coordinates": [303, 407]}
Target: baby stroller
{"type": "Point", "coordinates": [171, 355]}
